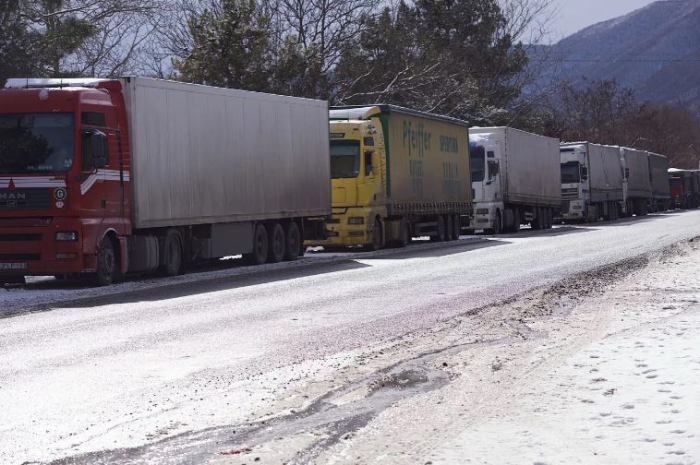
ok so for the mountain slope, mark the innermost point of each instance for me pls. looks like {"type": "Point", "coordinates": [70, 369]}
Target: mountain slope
{"type": "Point", "coordinates": [654, 50]}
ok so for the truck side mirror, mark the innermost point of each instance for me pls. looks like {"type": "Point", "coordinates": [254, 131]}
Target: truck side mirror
{"type": "Point", "coordinates": [95, 153]}
{"type": "Point", "coordinates": [584, 173]}
{"type": "Point", "coordinates": [369, 163]}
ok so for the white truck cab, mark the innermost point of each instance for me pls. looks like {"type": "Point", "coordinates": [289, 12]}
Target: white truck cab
{"type": "Point", "coordinates": [575, 185]}
{"type": "Point", "coordinates": [516, 179]}
{"type": "Point", "coordinates": [485, 153]}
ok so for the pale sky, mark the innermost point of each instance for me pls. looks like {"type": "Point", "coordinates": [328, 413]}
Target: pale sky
{"type": "Point", "coordinates": [574, 15]}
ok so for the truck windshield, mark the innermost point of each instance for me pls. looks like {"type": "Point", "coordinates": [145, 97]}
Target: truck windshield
{"type": "Point", "coordinates": [570, 173]}
{"type": "Point", "coordinates": [36, 143]}
{"type": "Point", "coordinates": [477, 155]}
{"type": "Point", "coordinates": [345, 159]}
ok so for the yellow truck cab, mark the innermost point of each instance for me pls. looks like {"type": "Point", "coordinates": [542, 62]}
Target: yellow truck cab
{"type": "Point", "coordinates": [396, 174]}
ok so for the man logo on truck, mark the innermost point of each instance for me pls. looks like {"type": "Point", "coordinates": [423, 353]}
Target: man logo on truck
{"type": "Point", "coordinates": [12, 196]}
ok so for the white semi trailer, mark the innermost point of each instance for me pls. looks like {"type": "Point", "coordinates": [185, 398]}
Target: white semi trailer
{"type": "Point", "coordinates": [636, 181]}
{"type": "Point", "coordinates": [516, 178]}
{"type": "Point", "coordinates": [591, 182]}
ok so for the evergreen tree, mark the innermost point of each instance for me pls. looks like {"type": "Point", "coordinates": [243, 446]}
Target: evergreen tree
{"type": "Point", "coordinates": [230, 48]}
{"type": "Point", "coordinates": [445, 56]}
{"type": "Point", "coordinates": [17, 43]}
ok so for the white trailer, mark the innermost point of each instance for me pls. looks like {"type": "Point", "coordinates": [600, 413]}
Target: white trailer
{"type": "Point", "coordinates": [516, 178]}
{"type": "Point", "coordinates": [636, 182]}
{"type": "Point", "coordinates": [660, 187]}
{"type": "Point", "coordinates": [203, 154]}
{"type": "Point", "coordinates": [591, 177]}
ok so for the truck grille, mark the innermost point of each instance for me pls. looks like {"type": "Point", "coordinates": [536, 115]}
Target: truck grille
{"type": "Point", "coordinates": [569, 194]}
{"type": "Point", "coordinates": [21, 237]}
{"type": "Point", "coordinates": [25, 199]}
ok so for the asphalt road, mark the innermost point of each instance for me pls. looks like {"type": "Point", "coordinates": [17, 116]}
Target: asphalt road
{"type": "Point", "coordinates": [168, 372]}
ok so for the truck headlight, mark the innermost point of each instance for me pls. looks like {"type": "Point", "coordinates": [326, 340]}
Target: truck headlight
{"type": "Point", "coordinates": [66, 236]}
{"type": "Point", "coordinates": [356, 220]}
{"type": "Point", "coordinates": [482, 211]}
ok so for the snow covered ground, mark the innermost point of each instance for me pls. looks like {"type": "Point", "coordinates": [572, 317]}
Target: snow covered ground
{"type": "Point", "coordinates": [483, 352]}
{"type": "Point", "coordinates": [605, 379]}
{"type": "Point", "coordinates": [602, 368]}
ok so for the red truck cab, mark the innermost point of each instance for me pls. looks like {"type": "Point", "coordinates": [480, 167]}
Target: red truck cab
{"type": "Point", "coordinates": [677, 191]}
{"type": "Point", "coordinates": [64, 175]}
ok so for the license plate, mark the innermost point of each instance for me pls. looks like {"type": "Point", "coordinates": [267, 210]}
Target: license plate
{"type": "Point", "coordinates": [13, 266]}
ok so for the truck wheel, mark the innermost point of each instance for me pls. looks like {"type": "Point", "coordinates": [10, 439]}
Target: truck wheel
{"type": "Point", "coordinates": [537, 222]}
{"type": "Point", "coordinates": [260, 246]}
{"type": "Point", "coordinates": [449, 228]}
{"type": "Point", "coordinates": [293, 242]}
{"type": "Point", "coordinates": [172, 255]}
{"type": "Point", "coordinates": [377, 237]}
{"type": "Point", "coordinates": [404, 233]}
{"type": "Point", "coordinates": [277, 247]}
{"type": "Point", "coordinates": [516, 221]}
{"type": "Point", "coordinates": [497, 225]}
{"type": "Point", "coordinates": [106, 263]}
{"type": "Point", "coordinates": [457, 222]}
{"type": "Point", "coordinates": [440, 233]}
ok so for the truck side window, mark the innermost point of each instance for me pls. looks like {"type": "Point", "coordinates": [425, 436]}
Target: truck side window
{"type": "Point", "coordinates": [368, 162]}
{"type": "Point", "coordinates": [493, 169]}
{"type": "Point", "coordinates": [477, 162]}
{"type": "Point", "coordinates": [95, 150]}
{"type": "Point", "coordinates": [93, 119]}
{"type": "Point", "coordinates": [491, 154]}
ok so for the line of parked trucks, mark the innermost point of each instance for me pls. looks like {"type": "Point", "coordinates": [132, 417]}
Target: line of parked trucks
{"type": "Point", "coordinates": [104, 177]}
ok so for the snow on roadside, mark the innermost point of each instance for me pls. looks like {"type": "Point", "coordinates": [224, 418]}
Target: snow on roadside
{"type": "Point", "coordinates": [629, 397]}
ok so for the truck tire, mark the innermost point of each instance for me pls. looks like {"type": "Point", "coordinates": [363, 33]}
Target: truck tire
{"type": "Point", "coordinates": [106, 263]}
{"type": "Point", "coordinates": [449, 228]}
{"type": "Point", "coordinates": [457, 221]}
{"type": "Point", "coordinates": [277, 247]}
{"type": "Point", "coordinates": [516, 221]}
{"type": "Point", "coordinates": [260, 247]}
{"type": "Point", "coordinates": [377, 237]}
{"type": "Point", "coordinates": [294, 242]}
{"type": "Point", "coordinates": [537, 223]}
{"type": "Point", "coordinates": [440, 233]}
{"type": "Point", "coordinates": [404, 233]}
{"type": "Point", "coordinates": [172, 255]}
{"type": "Point", "coordinates": [497, 225]}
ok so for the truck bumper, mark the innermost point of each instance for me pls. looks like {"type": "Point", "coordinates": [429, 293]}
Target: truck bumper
{"type": "Point", "coordinates": [484, 215]}
{"type": "Point", "coordinates": [481, 222]}
{"type": "Point", "coordinates": [28, 247]}
{"type": "Point", "coordinates": [343, 234]}
{"type": "Point", "coordinates": [573, 210]}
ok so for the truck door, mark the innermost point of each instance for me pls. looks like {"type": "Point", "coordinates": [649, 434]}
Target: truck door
{"type": "Point", "coordinates": [102, 181]}
{"type": "Point", "coordinates": [492, 185]}
{"type": "Point", "coordinates": [477, 163]}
